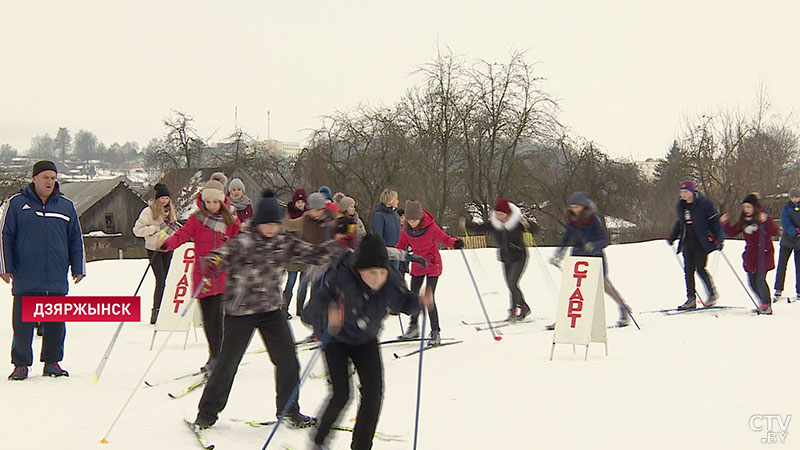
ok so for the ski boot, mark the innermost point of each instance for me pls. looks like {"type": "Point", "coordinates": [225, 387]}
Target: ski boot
{"type": "Point", "coordinates": [690, 304]}
{"type": "Point", "coordinates": [154, 316]}
{"type": "Point", "coordinates": [524, 311]}
{"type": "Point", "coordinates": [712, 300]}
{"type": "Point", "coordinates": [512, 315]}
{"type": "Point", "coordinates": [434, 339]}
{"type": "Point", "coordinates": [777, 296]}
{"type": "Point", "coordinates": [764, 308]}
{"type": "Point", "coordinates": [203, 422]}
{"type": "Point", "coordinates": [411, 332]}
{"type": "Point", "coordinates": [208, 367]}
{"type": "Point", "coordinates": [52, 369]}
{"type": "Point", "coordinates": [19, 373]}
{"type": "Point", "coordinates": [298, 420]}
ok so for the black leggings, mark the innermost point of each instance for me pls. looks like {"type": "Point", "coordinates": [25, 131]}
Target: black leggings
{"type": "Point", "coordinates": [758, 281]}
{"type": "Point", "coordinates": [367, 361]}
{"type": "Point", "coordinates": [159, 262]}
{"type": "Point", "coordinates": [416, 284]}
{"type": "Point", "coordinates": [211, 307]}
{"type": "Point", "coordinates": [695, 260]}
{"type": "Point", "coordinates": [513, 271]}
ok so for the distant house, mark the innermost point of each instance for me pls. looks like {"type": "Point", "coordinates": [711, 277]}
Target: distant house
{"type": "Point", "coordinates": [107, 210]}
{"type": "Point", "coordinates": [185, 184]}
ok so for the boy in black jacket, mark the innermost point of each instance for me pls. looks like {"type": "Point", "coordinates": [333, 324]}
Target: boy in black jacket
{"type": "Point", "coordinates": [346, 313]}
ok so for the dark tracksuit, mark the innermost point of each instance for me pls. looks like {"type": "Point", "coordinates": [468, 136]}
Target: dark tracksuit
{"type": "Point", "coordinates": [253, 301]}
{"type": "Point", "coordinates": [790, 242]}
{"type": "Point", "coordinates": [363, 313]}
{"type": "Point", "coordinates": [39, 243]}
{"type": "Point", "coordinates": [700, 233]}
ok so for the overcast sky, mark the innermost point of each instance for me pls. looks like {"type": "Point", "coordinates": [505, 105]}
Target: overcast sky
{"type": "Point", "coordinates": [626, 73]}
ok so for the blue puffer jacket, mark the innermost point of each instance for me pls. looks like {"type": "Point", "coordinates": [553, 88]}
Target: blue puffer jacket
{"type": "Point", "coordinates": [363, 309]}
{"type": "Point", "coordinates": [705, 220]}
{"type": "Point", "coordinates": [39, 243]}
{"type": "Point", "coordinates": [386, 224]}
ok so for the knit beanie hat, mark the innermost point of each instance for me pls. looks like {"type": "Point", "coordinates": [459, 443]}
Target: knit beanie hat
{"type": "Point", "coordinates": [502, 205]}
{"type": "Point", "coordinates": [316, 201]}
{"type": "Point", "coordinates": [299, 194]}
{"type": "Point", "coordinates": [236, 183]}
{"type": "Point", "coordinates": [161, 190]}
{"type": "Point", "coordinates": [371, 252]}
{"type": "Point", "coordinates": [413, 210]}
{"type": "Point", "coordinates": [41, 166]}
{"type": "Point", "coordinates": [579, 198]}
{"type": "Point", "coordinates": [345, 203]}
{"type": "Point", "coordinates": [268, 210]}
{"type": "Point", "coordinates": [326, 191]}
{"type": "Point", "coordinates": [753, 199]}
{"type": "Point", "coordinates": [794, 192]}
{"type": "Point", "coordinates": [214, 188]}
{"type": "Point", "coordinates": [689, 186]}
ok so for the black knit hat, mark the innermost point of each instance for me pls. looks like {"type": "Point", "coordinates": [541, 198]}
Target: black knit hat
{"type": "Point", "coordinates": [267, 209]}
{"type": "Point", "coordinates": [371, 252]}
{"type": "Point", "coordinates": [161, 190]}
{"type": "Point", "coordinates": [753, 199]}
{"type": "Point", "coordinates": [41, 166]}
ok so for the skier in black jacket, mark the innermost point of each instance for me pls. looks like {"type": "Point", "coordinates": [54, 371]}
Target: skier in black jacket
{"type": "Point", "coordinates": [508, 226]}
{"type": "Point", "coordinates": [700, 233]}
{"type": "Point", "coordinates": [346, 313]}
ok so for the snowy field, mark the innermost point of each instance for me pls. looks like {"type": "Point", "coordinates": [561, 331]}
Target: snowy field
{"type": "Point", "coordinates": [689, 381]}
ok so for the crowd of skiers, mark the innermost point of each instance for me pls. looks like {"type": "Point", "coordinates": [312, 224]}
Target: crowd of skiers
{"type": "Point", "coordinates": [317, 242]}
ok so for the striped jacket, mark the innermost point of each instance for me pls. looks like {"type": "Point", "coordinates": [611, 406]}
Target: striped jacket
{"type": "Point", "coordinates": [40, 242]}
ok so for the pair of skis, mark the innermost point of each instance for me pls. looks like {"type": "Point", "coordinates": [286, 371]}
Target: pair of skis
{"type": "Point", "coordinates": [378, 434]}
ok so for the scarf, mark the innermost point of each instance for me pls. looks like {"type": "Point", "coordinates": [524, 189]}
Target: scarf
{"type": "Point", "coordinates": [214, 221]}
{"type": "Point", "coordinates": [293, 212]}
{"type": "Point", "coordinates": [240, 204]}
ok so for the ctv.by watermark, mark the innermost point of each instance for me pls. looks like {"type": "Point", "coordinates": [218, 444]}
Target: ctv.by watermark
{"type": "Point", "coordinates": [774, 426]}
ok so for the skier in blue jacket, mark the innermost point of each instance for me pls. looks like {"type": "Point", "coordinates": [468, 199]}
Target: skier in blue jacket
{"type": "Point", "coordinates": [40, 239]}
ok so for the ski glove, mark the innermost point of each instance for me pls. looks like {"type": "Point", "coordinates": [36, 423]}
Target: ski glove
{"type": "Point", "coordinates": [458, 245]}
{"type": "Point", "coordinates": [588, 247]}
{"type": "Point", "coordinates": [417, 259]}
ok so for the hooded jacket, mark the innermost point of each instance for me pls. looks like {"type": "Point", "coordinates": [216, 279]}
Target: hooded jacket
{"type": "Point", "coordinates": [363, 310]}
{"type": "Point", "coordinates": [790, 223]}
{"type": "Point", "coordinates": [585, 233]}
{"type": "Point", "coordinates": [386, 223]}
{"type": "Point", "coordinates": [508, 234]}
{"type": "Point", "coordinates": [423, 242]}
{"type": "Point", "coordinates": [759, 253]}
{"type": "Point", "coordinates": [40, 242]}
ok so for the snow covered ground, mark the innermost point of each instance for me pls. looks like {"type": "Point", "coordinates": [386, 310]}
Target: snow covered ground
{"type": "Point", "coordinates": [690, 381]}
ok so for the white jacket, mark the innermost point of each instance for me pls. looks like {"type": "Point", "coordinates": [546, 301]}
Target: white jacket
{"type": "Point", "coordinates": [149, 228]}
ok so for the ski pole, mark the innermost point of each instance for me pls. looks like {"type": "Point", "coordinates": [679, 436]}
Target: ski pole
{"type": "Point", "coordinates": [135, 388]}
{"type": "Point", "coordinates": [296, 391]}
{"type": "Point", "coordinates": [480, 299]}
{"type": "Point", "coordinates": [738, 278]}
{"type": "Point", "coordinates": [419, 374]}
{"type": "Point", "coordinates": [99, 370]}
{"type": "Point", "coordinates": [680, 263]}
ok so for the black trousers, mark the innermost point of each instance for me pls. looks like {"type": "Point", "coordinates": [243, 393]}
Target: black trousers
{"type": "Point", "coordinates": [278, 339]}
{"type": "Point", "coordinates": [513, 271]}
{"type": "Point", "coordinates": [159, 262]}
{"type": "Point", "coordinates": [367, 361]}
{"type": "Point", "coordinates": [783, 261]}
{"type": "Point", "coordinates": [22, 344]}
{"type": "Point", "coordinates": [416, 285]}
{"type": "Point", "coordinates": [211, 307]}
{"type": "Point", "coordinates": [695, 259]}
{"type": "Point", "coordinates": [758, 281]}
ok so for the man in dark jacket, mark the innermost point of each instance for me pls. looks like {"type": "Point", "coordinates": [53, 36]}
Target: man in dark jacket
{"type": "Point", "coordinates": [699, 232]}
{"type": "Point", "coordinates": [40, 239]}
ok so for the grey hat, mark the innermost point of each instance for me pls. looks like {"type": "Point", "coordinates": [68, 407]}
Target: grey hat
{"type": "Point", "coordinates": [316, 201]}
{"type": "Point", "coordinates": [236, 183]}
{"type": "Point", "coordinates": [579, 198]}
{"type": "Point", "coordinates": [794, 192]}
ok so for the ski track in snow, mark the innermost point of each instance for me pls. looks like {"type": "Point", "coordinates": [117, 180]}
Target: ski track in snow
{"type": "Point", "coordinates": [688, 381]}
